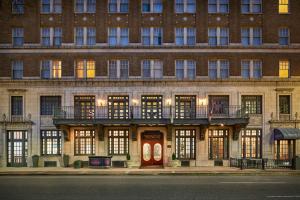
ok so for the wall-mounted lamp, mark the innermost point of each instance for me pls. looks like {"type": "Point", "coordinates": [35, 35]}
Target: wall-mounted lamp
{"type": "Point", "coordinates": [168, 102]}
{"type": "Point", "coordinates": [135, 102]}
{"type": "Point", "coordinates": [101, 102]}
{"type": "Point", "coordinates": [202, 102]}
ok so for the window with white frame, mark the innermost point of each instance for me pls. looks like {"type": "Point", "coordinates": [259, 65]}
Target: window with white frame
{"type": "Point", "coordinates": [185, 36]}
{"type": "Point", "coordinates": [85, 6]}
{"type": "Point", "coordinates": [118, 69]}
{"type": "Point", "coordinates": [251, 36]}
{"type": "Point", "coordinates": [85, 68]}
{"type": "Point", "coordinates": [185, 69]}
{"type": "Point", "coordinates": [17, 69]}
{"type": "Point", "coordinates": [51, 6]}
{"type": "Point", "coordinates": [17, 6]}
{"type": "Point", "coordinates": [152, 69]}
{"type": "Point", "coordinates": [85, 36]}
{"type": "Point", "coordinates": [218, 6]}
{"type": "Point", "coordinates": [18, 37]}
{"type": "Point", "coordinates": [152, 6]}
{"type": "Point", "coordinates": [251, 6]}
{"type": "Point", "coordinates": [251, 69]}
{"type": "Point", "coordinates": [118, 36]}
{"type": "Point", "coordinates": [284, 36]}
{"type": "Point", "coordinates": [51, 36]}
{"type": "Point", "coordinates": [118, 6]}
{"type": "Point", "coordinates": [185, 6]}
{"type": "Point", "coordinates": [50, 69]}
{"type": "Point", "coordinates": [218, 69]}
{"type": "Point", "coordinates": [152, 36]}
{"type": "Point", "coordinates": [218, 36]}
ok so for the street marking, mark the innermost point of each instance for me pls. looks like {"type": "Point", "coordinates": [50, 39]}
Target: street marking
{"type": "Point", "coordinates": [283, 196]}
{"type": "Point", "coordinates": [252, 182]}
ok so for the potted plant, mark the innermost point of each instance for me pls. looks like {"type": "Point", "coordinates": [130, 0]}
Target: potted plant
{"type": "Point", "coordinates": [35, 161]}
{"type": "Point", "coordinates": [174, 162]}
{"type": "Point", "coordinates": [66, 159]}
{"type": "Point", "coordinates": [77, 164]}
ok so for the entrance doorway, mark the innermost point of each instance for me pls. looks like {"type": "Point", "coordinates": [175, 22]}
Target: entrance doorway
{"type": "Point", "coordinates": [16, 148]}
{"type": "Point", "coordinates": [152, 148]}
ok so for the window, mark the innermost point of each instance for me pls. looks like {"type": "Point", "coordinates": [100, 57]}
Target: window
{"type": "Point", "coordinates": [84, 107]}
{"type": "Point", "coordinates": [251, 143]}
{"type": "Point", "coordinates": [218, 69]}
{"type": "Point", "coordinates": [152, 107]}
{"type": "Point", "coordinates": [251, 6]}
{"type": "Point", "coordinates": [185, 36]}
{"type": "Point", "coordinates": [251, 69]}
{"type": "Point", "coordinates": [85, 6]}
{"type": "Point", "coordinates": [118, 107]}
{"type": "Point", "coordinates": [284, 105]}
{"type": "Point", "coordinates": [283, 6]}
{"type": "Point", "coordinates": [152, 69]}
{"type": "Point", "coordinates": [218, 6]}
{"type": "Point", "coordinates": [84, 142]}
{"type": "Point", "coordinates": [284, 69]}
{"type": "Point", "coordinates": [51, 6]}
{"type": "Point", "coordinates": [284, 36]}
{"type": "Point", "coordinates": [18, 37]}
{"type": "Point", "coordinates": [118, 36]}
{"type": "Point", "coordinates": [185, 107]}
{"type": "Point", "coordinates": [218, 105]}
{"type": "Point", "coordinates": [252, 104]}
{"type": "Point", "coordinates": [118, 142]}
{"type": "Point", "coordinates": [16, 105]}
{"type": "Point", "coordinates": [85, 69]}
{"type": "Point", "coordinates": [17, 148]}
{"type": "Point", "coordinates": [50, 69]}
{"type": "Point", "coordinates": [185, 69]}
{"type": "Point", "coordinates": [284, 149]}
{"type": "Point", "coordinates": [152, 36]}
{"type": "Point", "coordinates": [251, 36]}
{"type": "Point", "coordinates": [49, 104]}
{"type": "Point", "coordinates": [17, 6]}
{"type": "Point", "coordinates": [218, 144]}
{"type": "Point", "coordinates": [118, 69]}
{"type": "Point", "coordinates": [85, 36]}
{"type": "Point", "coordinates": [51, 36]}
{"type": "Point", "coordinates": [185, 6]}
{"type": "Point", "coordinates": [17, 69]}
{"type": "Point", "coordinates": [152, 6]}
{"type": "Point", "coordinates": [118, 6]}
{"type": "Point", "coordinates": [218, 36]}
{"type": "Point", "coordinates": [51, 142]}
{"type": "Point", "coordinates": [185, 144]}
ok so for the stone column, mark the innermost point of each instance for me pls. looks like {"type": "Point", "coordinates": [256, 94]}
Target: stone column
{"type": "Point", "coordinates": [29, 146]}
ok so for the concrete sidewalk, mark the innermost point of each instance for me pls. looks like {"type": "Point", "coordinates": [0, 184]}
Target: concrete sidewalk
{"type": "Point", "coordinates": [134, 171]}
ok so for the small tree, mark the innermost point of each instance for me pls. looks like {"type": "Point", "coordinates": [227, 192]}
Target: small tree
{"type": "Point", "coordinates": [173, 156]}
{"type": "Point", "coordinates": [128, 156]}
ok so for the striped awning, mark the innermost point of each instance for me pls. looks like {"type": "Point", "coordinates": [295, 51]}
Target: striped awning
{"type": "Point", "coordinates": [286, 133]}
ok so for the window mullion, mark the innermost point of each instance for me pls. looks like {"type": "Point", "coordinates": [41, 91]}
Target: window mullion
{"type": "Point", "coordinates": [118, 35]}
{"type": "Point", "coordinates": [84, 35]}
{"type": "Point", "coordinates": [118, 68]}
{"type": "Point", "coordinates": [251, 36]}
{"type": "Point", "coordinates": [184, 35]}
{"type": "Point", "coordinates": [185, 68]}
{"type": "Point", "coordinates": [151, 35]}
{"type": "Point", "coordinates": [218, 69]}
{"type": "Point", "coordinates": [218, 36]}
{"type": "Point", "coordinates": [118, 5]}
{"type": "Point", "coordinates": [51, 69]}
{"type": "Point", "coordinates": [251, 68]}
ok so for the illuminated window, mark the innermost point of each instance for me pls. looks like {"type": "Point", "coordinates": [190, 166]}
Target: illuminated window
{"type": "Point", "coordinates": [185, 107]}
{"type": "Point", "coordinates": [218, 144]}
{"type": "Point", "coordinates": [51, 142]}
{"type": "Point", "coordinates": [118, 142]}
{"type": "Point", "coordinates": [185, 144]}
{"type": "Point", "coordinates": [284, 149]}
{"type": "Point", "coordinates": [84, 142]}
{"type": "Point", "coordinates": [252, 104]}
{"type": "Point", "coordinates": [251, 143]}
{"type": "Point", "coordinates": [118, 107]}
{"type": "Point", "coordinates": [283, 6]}
{"type": "Point", "coordinates": [50, 69]}
{"type": "Point", "coordinates": [85, 69]}
{"type": "Point", "coordinates": [284, 69]}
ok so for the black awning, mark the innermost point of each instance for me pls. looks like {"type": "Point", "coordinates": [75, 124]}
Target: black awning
{"type": "Point", "coordinates": [286, 133]}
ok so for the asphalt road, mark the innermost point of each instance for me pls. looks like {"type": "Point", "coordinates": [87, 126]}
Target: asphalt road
{"type": "Point", "coordinates": [148, 187]}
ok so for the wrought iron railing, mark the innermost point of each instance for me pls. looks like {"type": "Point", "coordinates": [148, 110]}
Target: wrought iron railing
{"type": "Point", "coordinates": [263, 163]}
{"type": "Point", "coordinates": [138, 112]}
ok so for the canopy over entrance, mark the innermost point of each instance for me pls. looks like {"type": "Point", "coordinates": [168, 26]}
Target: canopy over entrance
{"type": "Point", "coordinates": [286, 133]}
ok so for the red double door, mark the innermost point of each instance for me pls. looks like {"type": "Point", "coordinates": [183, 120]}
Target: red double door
{"type": "Point", "coordinates": [152, 148]}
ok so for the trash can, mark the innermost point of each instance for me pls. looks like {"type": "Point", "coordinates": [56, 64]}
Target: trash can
{"type": "Point", "coordinates": [100, 161]}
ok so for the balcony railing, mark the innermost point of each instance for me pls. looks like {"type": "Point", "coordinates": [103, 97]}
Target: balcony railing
{"type": "Point", "coordinates": [138, 112]}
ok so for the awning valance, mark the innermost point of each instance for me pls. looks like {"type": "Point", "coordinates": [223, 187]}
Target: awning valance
{"type": "Point", "coordinates": [286, 133]}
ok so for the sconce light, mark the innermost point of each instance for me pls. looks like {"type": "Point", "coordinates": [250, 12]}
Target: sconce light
{"type": "Point", "coordinates": [202, 102]}
{"type": "Point", "coordinates": [169, 102]}
{"type": "Point", "coordinates": [101, 102]}
{"type": "Point", "coordinates": [135, 102]}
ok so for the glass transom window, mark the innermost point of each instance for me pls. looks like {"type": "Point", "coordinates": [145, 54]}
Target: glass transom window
{"type": "Point", "coordinates": [284, 69]}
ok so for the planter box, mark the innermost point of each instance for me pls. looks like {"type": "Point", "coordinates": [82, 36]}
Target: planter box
{"type": "Point", "coordinates": [174, 163]}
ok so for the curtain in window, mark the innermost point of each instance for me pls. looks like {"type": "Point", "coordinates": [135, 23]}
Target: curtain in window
{"type": "Point", "coordinates": [245, 36]}
{"type": "Point", "coordinates": [146, 6]}
{"type": "Point", "coordinates": [46, 6]}
{"type": "Point", "coordinates": [146, 68]}
{"type": "Point", "coordinates": [224, 69]}
{"type": "Point", "coordinates": [113, 6]}
{"type": "Point", "coordinates": [79, 36]}
{"type": "Point", "coordinates": [246, 69]}
{"type": "Point", "coordinates": [212, 37]}
{"type": "Point", "coordinates": [224, 36]}
{"type": "Point", "coordinates": [56, 69]}
{"type": "Point", "coordinates": [124, 69]}
{"type": "Point", "coordinates": [191, 36]}
{"type": "Point", "coordinates": [46, 36]}
{"type": "Point", "coordinates": [17, 69]}
{"type": "Point", "coordinates": [146, 36]}
{"type": "Point", "coordinates": [123, 6]}
{"type": "Point", "coordinates": [18, 36]}
{"type": "Point", "coordinates": [124, 36]}
{"type": "Point", "coordinates": [179, 7]}
{"type": "Point", "coordinates": [245, 6]}
{"type": "Point", "coordinates": [45, 72]}
{"type": "Point", "coordinates": [113, 69]}
{"type": "Point", "coordinates": [157, 36]}
{"type": "Point", "coordinates": [212, 6]}
{"type": "Point", "coordinates": [179, 69]}
{"type": "Point", "coordinates": [91, 36]}
{"type": "Point", "coordinates": [191, 69]}
{"type": "Point", "coordinates": [179, 32]}
{"type": "Point", "coordinates": [223, 6]}
{"type": "Point", "coordinates": [212, 69]}
{"type": "Point", "coordinates": [112, 38]}
{"type": "Point", "coordinates": [80, 69]}
{"type": "Point", "coordinates": [57, 6]}
{"type": "Point", "coordinates": [191, 6]}
{"type": "Point", "coordinates": [256, 36]}
{"type": "Point", "coordinates": [79, 6]}
{"type": "Point", "coordinates": [91, 6]}
{"type": "Point", "coordinates": [157, 6]}
{"type": "Point", "coordinates": [157, 69]}
{"type": "Point", "coordinates": [90, 69]}
{"type": "Point", "coordinates": [257, 69]}
{"type": "Point", "coordinates": [18, 6]}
